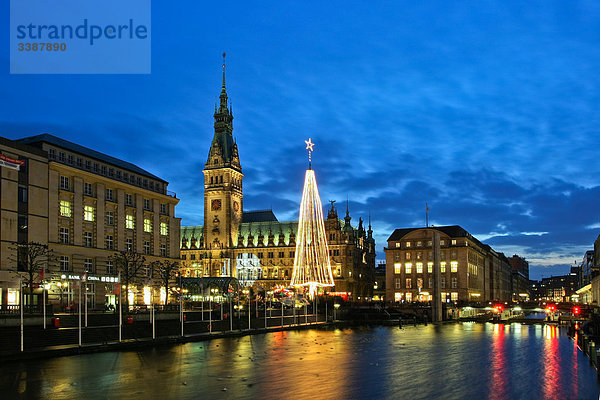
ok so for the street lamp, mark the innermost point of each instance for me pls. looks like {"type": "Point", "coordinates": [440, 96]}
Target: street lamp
{"type": "Point", "coordinates": [335, 307]}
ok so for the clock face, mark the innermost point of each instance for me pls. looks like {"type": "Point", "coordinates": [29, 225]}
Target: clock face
{"type": "Point", "coordinates": [236, 206]}
{"type": "Point", "coordinates": [216, 205]}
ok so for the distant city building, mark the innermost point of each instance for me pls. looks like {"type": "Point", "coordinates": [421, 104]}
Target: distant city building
{"type": "Point", "coordinates": [254, 246]}
{"type": "Point", "coordinates": [469, 269]}
{"type": "Point", "coordinates": [519, 278]}
{"type": "Point", "coordinates": [380, 280]}
{"type": "Point", "coordinates": [555, 288]}
{"type": "Point", "coordinates": [85, 206]}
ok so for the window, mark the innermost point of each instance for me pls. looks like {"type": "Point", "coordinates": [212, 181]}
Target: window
{"type": "Point", "coordinates": [453, 242]}
{"type": "Point", "coordinates": [442, 242]}
{"type": "Point", "coordinates": [103, 170]}
{"type": "Point", "coordinates": [430, 283]}
{"type": "Point", "coordinates": [454, 296]}
{"type": "Point", "coordinates": [87, 239]}
{"type": "Point", "coordinates": [129, 221]}
{"type": "Point", "coordinates": [430, 255]}
{"type": "Point", "coordinates": [111, 172]}
{"type": "Point", "coordinates": [88, 265]}
{"type": "Point", "coordinates": [336, 252]}
{"type": "Point", "coordinates": [398, 245]}
{"type": "Point", "coordinates": [88, 164]}
{"type": "Point", "coordinates": [397, 296]}
{"type": "Point", "coordinates": [443, 282]}
{"type": "Point", "coordinates": [70, 159]}
{"type": "Point", "coordinates": [51, 154]}
{"type": "Point", "coordinates": [397, 268]}
{"type": "Point", "coordinates": [408, 296]}
{"type": "Point", "coordinates": [64, 183]}
{"type": "Point", "coordinates": [61, 156]}
{"type": "Point", "coordinates": [443, 267]}
{"type": "Point", "coordinates": [429, 267]}
{"type": "Point", "coordinates": [398, 283]}
{"type": "Point", "coordinates": [64, 263]}
{"type": "Point", "coordinates": [22, 194]}
{"type": "Point", "coordinates": [429, 243]}
{"type": "Point", "coordinates": [65, 208]}
{"type": "Point", "coordinates": [407, 244]}
{"type": "Point", "coordinates": [164, 228]}
{"type": "Point", "coordinates": [332, 236]}
{"type": "Point", "coordinates": [79, 162]}
{"type": "Point", "coordinates": [419, 268]}
{"type": "Point", "coordinates": [453, 254]}
{"type": "Point", "coordinates": [129, 244]}
{"type": "Point", "coordinates": [110, 268]}
{"type": "Point", "coordinates": [147, 225]}
{"type": "Point", "coordinates": [163, 250]}
{"type": "Point", "coordinates": [88, 213]}
{"type": "Point", "coordinates": [163, 209]}
{"type": "Point", "coordinates": [419, 255]}
{"type": "Point", "coordinates": [128, 200]}
{"type": "Point", "coordinates": [118, 174]}
{"type": "Point", "coordinates": [183, 257]}
{"type": "Point", "coordinates": [454, 283]}
{"type": "Point", "coordinates": [146, 204]}
{"type": "Point", "coordinates": [408, 283]}
{"type": "Point", "coordinates": [110, 218]}
{"type": "Point", "coordinates": [192, 256]}
{"type": "Point", "coordinates": [109, 194]}
{"type": "Point", "coordinates": [420, 283]}
{"type": "Point", "coordinates": [281, 254]}
{"type": "Point", "coordinates": [259, 255]}
{"type": "Point", "coordinates": [419, 243]}
{"type": "Point", "coordinates": [64, 235]}
{"type": "Point", "coordinates": [453, 266]}
{"type": "Point", "coordinates": [87, 189]}
{"type": "Point", "coordinates": [407, 255]}
{"type": "Point", "coordinates": [146, 247]}
{"type": "Point", "coordinates": [270, 254]}
{"type": "Point", "coordinates": [110, 243]}
{"type": "Point", "coordinates": [292, 253]}
{"type": "Point", "coordinates": [408, 268]}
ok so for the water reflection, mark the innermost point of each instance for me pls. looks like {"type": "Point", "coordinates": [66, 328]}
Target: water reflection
{"type": "Point", "coordinates": [442, 361]}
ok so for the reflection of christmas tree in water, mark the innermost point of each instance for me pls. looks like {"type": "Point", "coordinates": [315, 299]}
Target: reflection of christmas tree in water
{"type": "Point", "coordinates": [312, 268]}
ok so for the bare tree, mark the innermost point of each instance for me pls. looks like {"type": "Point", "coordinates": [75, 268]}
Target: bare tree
{"type": "Point", "coordinates": [32, 258]}
{"type": "Point", "coordinates": [128, 265]}
{"type": "Point", "coordinates": [165, 272]}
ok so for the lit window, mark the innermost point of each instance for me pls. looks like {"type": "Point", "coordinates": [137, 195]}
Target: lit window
{"type": "Point", "coordinates": [407, 256]}
{"type": "Point", "coordinates": [408, 296]}
{"type": "Point", "coordinates": [420, 283]}
{"type": "Point", "coordinates": [129, 222]}
{"type": "Point", "coordinates": [408, 268]}
{"type": "Point", "coordinates": [164, 228]}
{"type": "Point", "coordinates": [443, 266]}
{"type": "Point", "coordinates": [407, 244]}
{"type": "Point", "coordinates": [429, 267]}
{"type": "Point", "coordinates": [408, 283]}
{"type": "Point", "coordinates": [65, 208]}
{"type": "Point", "coordinates": [147, 225]}
{"type": "Point", "coordinates": [453, 242]}
{"type": "Point", "coordinates": [397, 296]}
{"type": "Point", "coordinates": [398, 245]}
{"type": "Point", "coordinates": [397, 268]}
{"type": "Point", "coordinates": [453, 266]}
{"type": "Point", "coordinates": [88, 213]}
{"type": "Point", "coordinates": [442, 242]}
{"type": "Point", "coordinates": [419, 243]}
{"type": "Point", "coordinates": [419, 268]}
{"type": "Point", "coordinates": [454, 296]}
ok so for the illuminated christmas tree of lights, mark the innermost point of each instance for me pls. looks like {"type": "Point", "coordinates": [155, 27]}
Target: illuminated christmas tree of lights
{"type": "Point", "coordinates": [312, 267]}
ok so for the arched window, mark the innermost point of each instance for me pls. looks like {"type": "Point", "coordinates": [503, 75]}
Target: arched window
{"type": "Point", "coordinates": [211, 180]}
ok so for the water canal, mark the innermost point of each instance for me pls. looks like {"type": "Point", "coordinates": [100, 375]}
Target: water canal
{"type": "Point", "coordinates": [459, 361]}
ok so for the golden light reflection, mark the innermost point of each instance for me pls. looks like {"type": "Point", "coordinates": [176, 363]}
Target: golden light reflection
{"type": "Point", "coordinates": [550, 363]}
{"type": "Point", "coordinates": [498, 372]}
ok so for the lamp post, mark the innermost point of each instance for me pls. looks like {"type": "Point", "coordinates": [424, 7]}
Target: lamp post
{"type": "Point", "coordinates": [335, 307]}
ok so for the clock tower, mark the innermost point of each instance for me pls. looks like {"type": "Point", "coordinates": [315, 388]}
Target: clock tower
{"type": "Point", "coordinates": [223, 197]}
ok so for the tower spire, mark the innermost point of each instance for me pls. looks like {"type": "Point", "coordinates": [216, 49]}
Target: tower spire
{"type": "Point", "coordinates": [223, 96]}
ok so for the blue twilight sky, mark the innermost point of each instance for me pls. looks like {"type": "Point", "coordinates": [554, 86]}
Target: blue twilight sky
{"type": "Point", "coordinates": [487, 110]}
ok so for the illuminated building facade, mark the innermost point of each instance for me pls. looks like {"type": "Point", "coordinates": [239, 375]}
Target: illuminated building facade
{"type": "Point", "coordinates": [97, 205]}
{"type": "Point", "coordinates": [469, 270]}
{"type": "Point", "coordinates": [254, 246]}
{"type": "Point", "coordinates": [23, 210]}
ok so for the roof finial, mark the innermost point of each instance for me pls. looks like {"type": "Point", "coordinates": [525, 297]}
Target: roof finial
{"type": "Point", "coordinates": [224, 54]}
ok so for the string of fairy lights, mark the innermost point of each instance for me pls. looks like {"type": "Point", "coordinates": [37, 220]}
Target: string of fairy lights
{"type": "Point", "coordinates": [312, 266]}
